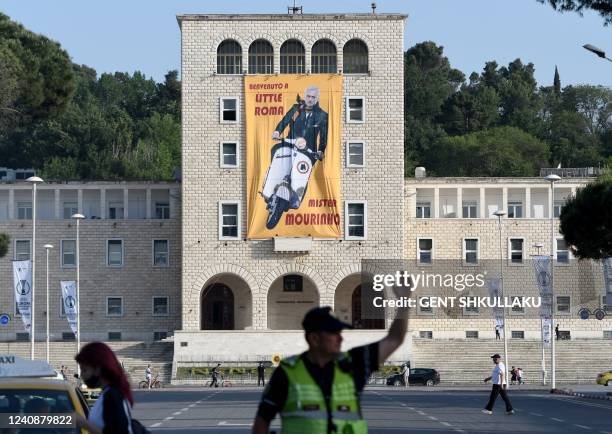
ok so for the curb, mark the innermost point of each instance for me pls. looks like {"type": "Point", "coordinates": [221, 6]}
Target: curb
{"type": "Point", "coordinates": [570, 392]}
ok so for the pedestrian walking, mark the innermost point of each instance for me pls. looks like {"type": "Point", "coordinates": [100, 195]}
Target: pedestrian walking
{"type": "Point", "coordinates": [111, 411]}
{"type": "Point", "coordinates": [261, 370]}
{"type": "Point", "coordinates": [557, 332]}
{"type": "Point", "coordinates": [318, 391]}
{"type": "Point", "coordinates": [497, 335]}
{"type": "Point", "coordinates": [215, 376]}
{"type": "Point", "coordinates": [64, 372]}
{"type": "Point", "coordinates": [498, 378]}
{"type": "Point", "coordinates": [519, 375]}
{"type": "Point", "coordinates": [513, 375]}
{"type": "Point", "coordinates": [406, 373]}
{"type": "Point", "coordinates": [149, 375]}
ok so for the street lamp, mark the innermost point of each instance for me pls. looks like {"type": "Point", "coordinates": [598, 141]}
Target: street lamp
{"type": "Point", "coordinates": [543, 364]}
{"type": "Point", "coordinates": [601, 53]}
{"type": "Point", "coordinates": [552, 178]}
{"type": "Point", "coordinates": [500, 214]}
{"type": "Point", "coordinates": [34, 180]}
{"type": "Point", "coordinates": [48, 247]}
{"type": "Point", "coordinates": [78, 218]}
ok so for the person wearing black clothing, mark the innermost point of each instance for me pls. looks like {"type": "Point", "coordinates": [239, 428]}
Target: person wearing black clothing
{"type": "Point", "coordinates": [322, 360]}
{"type": "Point", "coordinates": [215, 376]}
{"type": "Point", "coordinates": [261, 370]}
{"type": "Point", "coordinates": [111, 412]}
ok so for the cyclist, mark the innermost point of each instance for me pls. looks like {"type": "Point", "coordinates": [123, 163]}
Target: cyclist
{"type": "Point", "coordinates": [149, 375]}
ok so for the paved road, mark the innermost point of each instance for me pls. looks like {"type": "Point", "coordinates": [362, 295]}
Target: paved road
{"type": "Point", "coordinates": [388, 411]}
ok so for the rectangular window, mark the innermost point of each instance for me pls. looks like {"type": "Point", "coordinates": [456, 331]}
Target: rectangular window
{"type": "Point", "coordinates": [471, 334]}
{"type": "Point", "coordinates": [114, 336]}
{"type": "Point", "coordinates": [229, 220]}
{"type": "Point", "coordinates": [160, 306]}
{"type": "Point", "coordinates": [22, 250]}
{"type": "Point", "coordinates": [470, 210]}
{"type": "Point", "coordinates": [22, 336]}
{"type": "Point", "coordinates": [114, 306]}
{"type": "Point", "coordinates": [423, 210]}
{"type": "Point", "coordinates": [470, 250]}
{"type": "Point", "coordinates": [425, 250]}
{"type": "Point", "coordinates": [606, 306]}
{"type": "Point", "coordinates": [229, 154]}
{"type": "Point", "coordinates": [114, 253]}
{"type": "Point", "coordinates": [607, 334]}
{"type": "Point", "coordinates": [425, 307]}
{"type": "Point", "coordinates": [162, 210]}
{"type": "Point", "coordinates": [70, 208]}
{"type": "Point", "coordinates": [355, 109]}
{"type": "Point", "coordinates": [562, 252]}
{"type": "Point", "coordinates": [355, 220]}
{"type": "Point", "coordinates": [518, 334]}
{"type": "Point", "coordinates": [557, 208]}
{"type": "Point", "coordinates": [160, 253]}
{"type": "Point", "coordinates": [563, 304]}
{"type": "Point", "coordinates": [471, 306]}
{"type": "Point", "coordinates": [115, 210]}
{"type": "Point", "coordinates": [160, 336]}
{"type": "Point", "coordinates": [355, 154]}
{"type": "Point", "coordinates": [426, 334]}
{"type": "Point", "coordinates": [515, 210]}
{"type": "Point", "coordinates": [515, 246]}
{"type": "Point", "coordinates": [68, 253]}
{"type": "Point", "coordinates": [24, 210]}
{"type": "Point", "coordinates": [228, 110]}
{"type": "Point", "coordinates": [68, 336]}
{"type": "Point", "coordinates": [517, 309]}
{"type": "Point", "coordinates": [293, 283]}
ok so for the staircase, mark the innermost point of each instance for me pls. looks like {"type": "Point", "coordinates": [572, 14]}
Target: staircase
{"type": "Point", "coordinates": [468, 362]}
{"type": "Point", "coordinates": [135, 356]}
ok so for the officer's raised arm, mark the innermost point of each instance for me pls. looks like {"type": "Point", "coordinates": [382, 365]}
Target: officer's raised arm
{"type": "Point", "coordinates": [397, 331]}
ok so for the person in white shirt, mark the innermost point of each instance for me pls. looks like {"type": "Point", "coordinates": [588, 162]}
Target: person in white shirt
{"type": "Point", "coordinates": [149, 375]}
{"type": "Point", "coordinates": [500, 383]}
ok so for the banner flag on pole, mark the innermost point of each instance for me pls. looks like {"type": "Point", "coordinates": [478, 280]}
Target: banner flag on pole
{"type": "Point", "coordinates": [546, 331]}
{"type": "Point", "coordinates": [495, 291]}
{"type": "Point", "coordinates": [541, 265]}
{"type": "Point", "coordinates": [608, 279]}
{"type": "Point", "coordinates": [69, 299]}
{"type": "Point", "coordinates": [22, 279]}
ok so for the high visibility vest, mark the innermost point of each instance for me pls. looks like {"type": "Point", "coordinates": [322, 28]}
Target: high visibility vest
{"type": "Point", "coordinates": [305, 411]}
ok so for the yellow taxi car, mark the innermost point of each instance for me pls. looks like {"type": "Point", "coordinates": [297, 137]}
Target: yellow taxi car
{"type": "Point", "coordinates": [30, 387]}
{"type": "Point", "coordinates": [605, 378]}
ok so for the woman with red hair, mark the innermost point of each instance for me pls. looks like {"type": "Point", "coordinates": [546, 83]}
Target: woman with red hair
{"type": "Point", "coordinates": [111, 411]}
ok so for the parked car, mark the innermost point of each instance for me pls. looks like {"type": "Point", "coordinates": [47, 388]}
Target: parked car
{"type": "Point", "coordinates": [418, 376]}
{"type": "Point", "coordinates": [605, 378]}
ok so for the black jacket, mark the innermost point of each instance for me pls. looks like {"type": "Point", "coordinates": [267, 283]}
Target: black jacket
{"type": "Point", "coordinates": [308, 127]}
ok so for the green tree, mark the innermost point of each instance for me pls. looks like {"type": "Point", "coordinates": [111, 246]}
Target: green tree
{"type": "Point", "coordinates": [586, 220]}
{"type": "Point", "coordinates": [602, 7]}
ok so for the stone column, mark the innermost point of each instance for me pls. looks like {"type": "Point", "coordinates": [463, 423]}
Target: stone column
{"type": "Point", "coordinates": [125, 203]}
{"type": "Point", "coordinates": [57, 207]}
{"type": "Point", "coordinates": [482, 205]}
{"type": "Point", "coordinates": [11, 204]}
{"type": "Point", "coordinates": [80, 201]}
{"type": "Point", "coordinates": [436, 204]}
{"type": "Point", "coordinates": [148, 205]}
{"type": "Point", "coordinates": [459, 212]}
{"type": "Point", "coordinates": [102, 203]}
{"type": "Point", "coordinates": [528, 202]}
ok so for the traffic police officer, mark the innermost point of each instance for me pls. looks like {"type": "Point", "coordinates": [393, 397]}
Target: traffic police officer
{"type": "Point", "coordinates": [318, 391]}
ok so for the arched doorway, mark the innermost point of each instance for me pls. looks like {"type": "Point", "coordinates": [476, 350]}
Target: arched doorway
{"type": "Point", "coordinates": [357, 317]}
{"type": "Point", "coordinates": [217, 308]}
{"type": "Point", "coordinates": [289, 298]}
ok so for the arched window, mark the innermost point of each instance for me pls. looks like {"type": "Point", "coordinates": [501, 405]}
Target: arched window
{"type": "Point", "coordinates": [292, 57]}
{"type": "Point", "coordinates": [324, 57]}
{"type": "Point", "coordinates": [355, 56]}
{"type": "Point", "coordinates": [261, 57]}
{"type": "Point", "coordinates": [229, 57]}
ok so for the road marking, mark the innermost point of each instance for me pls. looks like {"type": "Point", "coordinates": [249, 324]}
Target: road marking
{"type": "Point", "coordinates": [459, 430]}
{"type": "Point", "coordinates": [536, 414]}
{"type": "Point", "coordinates": [583, 403]}
{"type": "Point", "coordinates": [192, 405]}
{"type": "Point", "coordinates": [169, 418]}
{"type": "Point", "coordinates": [582, 426]}
{"type": "Point", "coordinates": [155, 425]}
{"type": "Point", "coordinates": [445, 423]}
{"type": "Point", "coordinates": [226, 423]}
{"type": "Point", "coordinates": [420, 412]}
{"type": "Point", "coordinates": [557, 420]}
{"type": "Point", "coordinates": [605, 432]}
{"type": "Point", "coordinates": [184, 409]}
{"type": "Point", "coordinates": [176, 413]}
{"type": "Point", "coordinates": [432, 418]}
{"type": "Point", "coordinates": [411, 408]}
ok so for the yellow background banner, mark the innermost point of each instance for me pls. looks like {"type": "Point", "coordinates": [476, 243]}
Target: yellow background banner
{"type": "Point", "coordinates": [293, 155]}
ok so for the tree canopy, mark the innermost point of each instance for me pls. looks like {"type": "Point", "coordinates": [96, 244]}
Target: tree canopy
{"type": "Point", "coordinates": [602, 7]}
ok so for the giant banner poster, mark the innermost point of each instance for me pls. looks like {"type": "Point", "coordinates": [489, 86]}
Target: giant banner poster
{"type": "Point", "coordinates": [22, 280]}
{"type": "Point", "coordinates": [293, 155]}
{"type": "Point", "coordinates": [607, 268]}
{"type": "Point", "coordinates": [69, 298]}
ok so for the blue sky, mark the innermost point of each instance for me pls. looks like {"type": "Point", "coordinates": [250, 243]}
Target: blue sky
{"type": "Point", "coordinates": [129, 35]}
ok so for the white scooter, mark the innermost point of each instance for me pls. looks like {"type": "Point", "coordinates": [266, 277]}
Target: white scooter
{"type": "Point", "coordinates": [287, 178]}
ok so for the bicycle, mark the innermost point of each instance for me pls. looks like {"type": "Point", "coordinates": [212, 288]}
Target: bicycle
{"type": "Point", "coordinates": [155, 383]}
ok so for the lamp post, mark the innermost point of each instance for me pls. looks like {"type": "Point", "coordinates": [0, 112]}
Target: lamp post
{"type": "Point", "coordinates": [499, 214]}
{"type": "Point", "coordinates": [552, 179]}
{"type": "Point", "coordinates": [78, 218]}
{"type": "Point", "coordinates": [601, 53]}
{"type": "Point", "coordinates": [34, 180]}
{"type": "Point", "coordinates": [48, 247]}
{"type": "Point", "coordinates": [543, 364]}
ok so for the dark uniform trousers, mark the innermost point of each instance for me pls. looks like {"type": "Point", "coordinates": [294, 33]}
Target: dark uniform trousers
{"type": "Point", "coordinates": [498, 390]}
